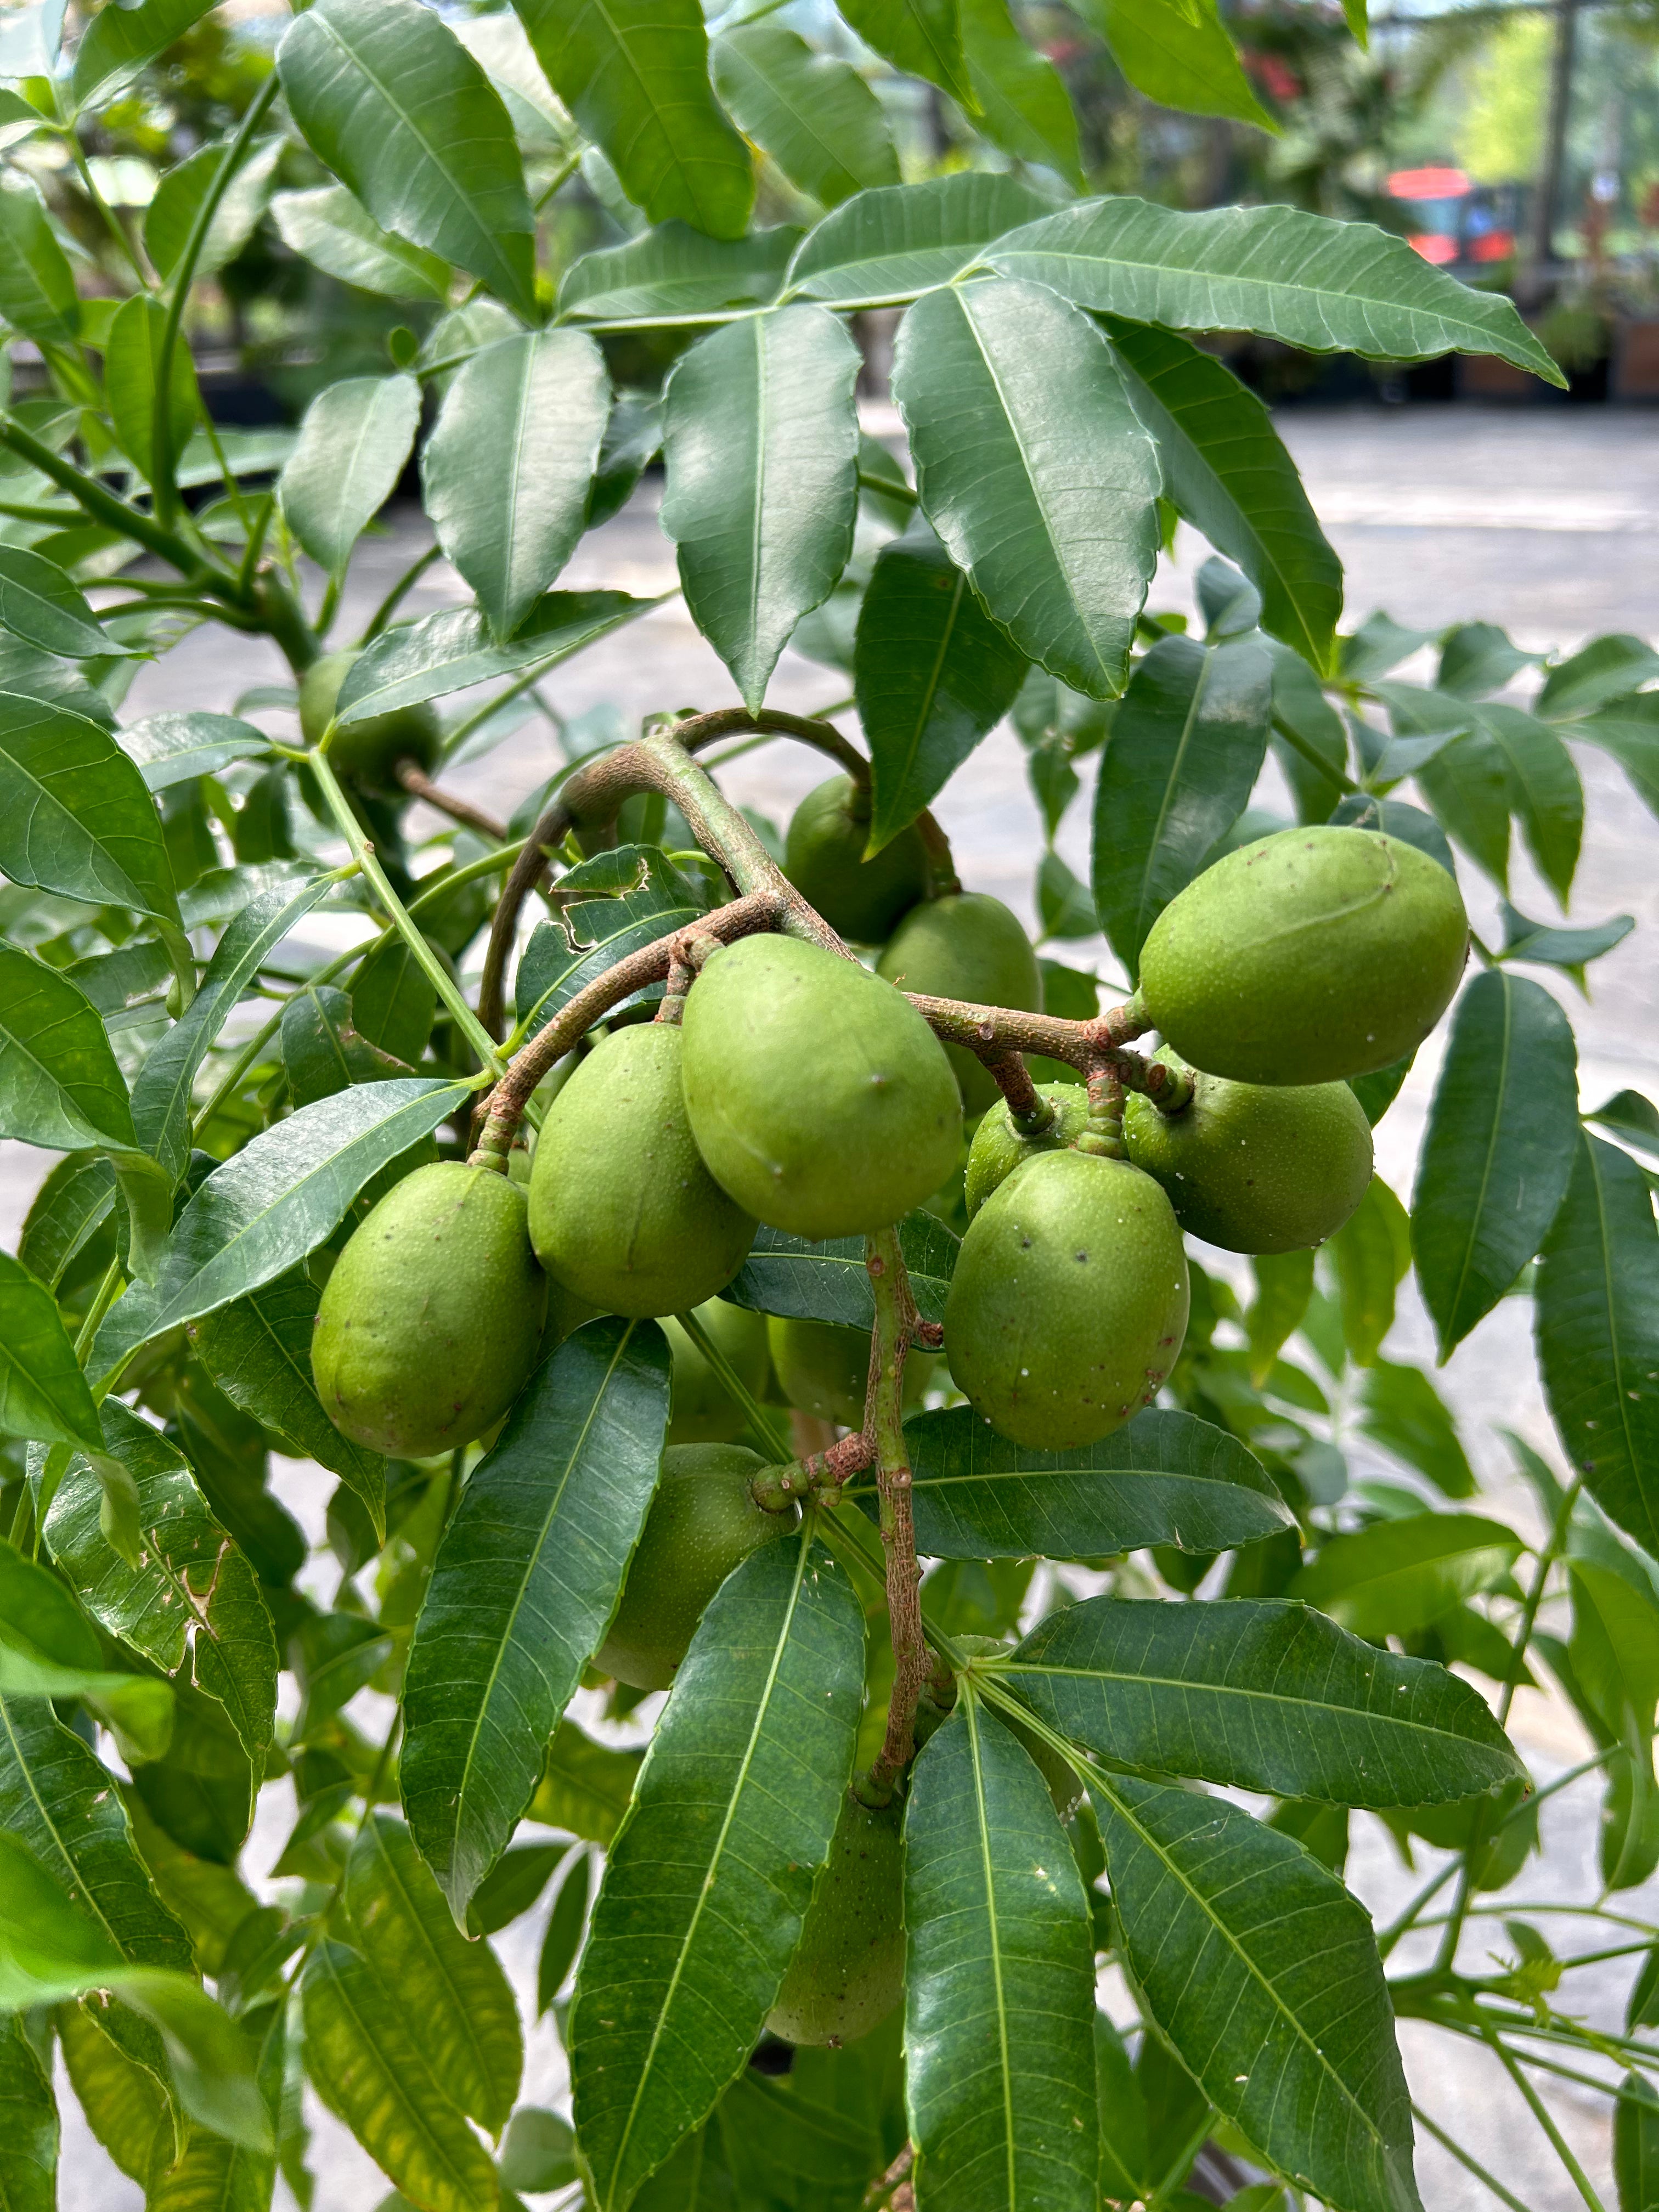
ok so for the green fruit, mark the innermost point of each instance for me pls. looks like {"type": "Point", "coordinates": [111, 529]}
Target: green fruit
{"type": "Point", "coordinates": [431, 1320]}
{"type": "Point", "coordinates": [966, 946]}
{"type": "Point", "coordinates": [824, 1369]}
{"type": "Point", "coordinates": [999, 1148]}
{"type": "Point", "coordinates": [1256, 1167]}
{"type": "Point", "coordinates": [817, 1095]}
{"type": "Point", "coordinates": [703, 1522]}
{"type": "Point", "coordinates": [700, 1411]}
{"type": "Point", "coordinates": [824, 858]}
{"type": "Point", "coordinates": [622, 1209]}
{"type": "Point", "coordinates": [848, 1972]}
{"type": "Point", "coordinates": [1069, 1301]}
{"type": "Point", "coordinates": [365, 753]}
{"type": "Point", "coordinates": [1305, 957]}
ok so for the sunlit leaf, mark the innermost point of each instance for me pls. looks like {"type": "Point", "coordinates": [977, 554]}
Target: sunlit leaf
{"type": "Point", "coordinates": [354, 442]}
{"type": "Point", "coordinates": [812, 112]}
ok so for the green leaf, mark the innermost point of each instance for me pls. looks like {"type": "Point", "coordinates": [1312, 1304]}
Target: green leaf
{"type": "Point", "coordinates": [1632, 1118]}
{"type": "Point", "coordinates": [48, 1649]}
{"type": "Point", "coordinates": [1263, 1973]}
{"type": "Point", "coordinates": [110, 55]}
{"type": "Point", "coordinates": [674, 271]}
{"type": "Point", "coordinates": [1024, 105]}
{"type": "Point", "coordinates": [469, 2023]}
{"type": "Point", "coordinates": [258, 1352]}
{"type": "Point", "coordinates": [1305, 723]}
{"type": "Point", "coordinates": [70, 1208]}
{"type": "Point", "coordinates": [1545, 791]}
{"type": "Point", "coordinates": [391, 102]}
{"type": "Point", "coordinates": [507, 467]}
{"type": "Point", "coordinates": [1403, 1412]}
{"type": "Point", "coordinates": [28, 2123]}
{"type": "Point", "coordinates": [527, 1576]}
{"type": "Point", "coordinates": [1397, 1576]}
{"type": "Point", "coordinates": [1597, 1316]}
{"type": "Point", "coordinates": [1180, 56]}
{"type": "Point", "coordinates": [172, 213]}
{"type": "Point", "coordinates": [760, 439]}
{"type": "Point", "coordinates": [1370, 1253]}
{"type": "Point", "coordinates": [38, 604]}
{"type": "Point", "coordinates": [331, 229]}
{"type": "Point", "coordinates": [920, 38]}
{"type": "Point", "coordinates": [932, 672]}
{"type": "Point", "coordinates": [538, 2154]}
{"type": "Point", "coordinates": [1187, 744]}
{"type": "Point", "coordinates": [1165, 1478]}
{"type": "Point", "coordinates": [59, 1084]}
{"type": "Point", "coordinates": [1499, 1149]}
{"type": "Point", "coordinates": [124, 2104]}
{"type": "Point", "coordinates": [354, 442]}
{"type": "Point", "coordinates": [565, 1926]}
{"type": "Point", "coordinates": [1635, 2145]}
{"type": "Point", "coordinates": [1468, 785]}
{"type": "Point", "coordinates": [1227, 472]}
{"type": "Point", "coordinates": [43, 1392]}
{"type": "Point", "coordinates": [1571, 949]}
{"type": "Point", "coordinates": [1608, 668]}
{"type": "Point", "coordinates": [1034, 469]}
{"type": "Point", "coordinates": [585, 1787]}
{"type": "Point", "coordinates": [519, 1877]}
{"type": "Point", "coordinates": [883, 247]}
{"type": "Point", "coordinates": [265, 1209]}
{"type": "Point", "coordinates": [172, 749]}
{"type": "Point", "coordinates": [75, 815]}
{"type": "Point", "coordinates": [635, 74]}
{"type": "Point", "coordinates": [193, 1594]}
{"type": "Point", "coordinates": [161, 1093]}
{"type": "Point", "coordinates": [785, 1274]}
{"type": "Point", "coordinates": [37, 286]}
{"type": "Point", "coordinates": [392, 1001]}
{"type": "Point", "coordinates": [452, 650]}
{"type": "Point", "coordinates": [1477, 657]}
{"type": "Point", "coordinates": [1265, 1695]}
{"type": "Point", "coordinates": [131, 355]}
{"type": "Point", "coordinates": [999, 1982]}
{"type": "Point", "coordinates": [712, 1871]}
{"type": "Point", "coordinates": [639, 895]}
{"type": "Point", "coordinates": [812, 112]}
{"type": "Point", "coordinates": [1284, 1285]}
{"type": "Point", "coordinates": [1325, 286]}
{"type": "Point", "coordinates": [365, 2059]}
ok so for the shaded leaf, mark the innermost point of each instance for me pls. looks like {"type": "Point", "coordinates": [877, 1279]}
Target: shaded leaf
{"type": "Point", "coordinates": [1404, 1412]}
{"type": "Point", "coordinates": [172, 215]}
{"type": "Point", "coordinates": [1370, 1253]}
{"type": "Point", "coordinates": [812, 112]}
{"type": "Point", "coordinates": [391, 102]}
{"type": "Point", "coordinates": [70, 1208]}
{"type": "Point", "coordinates": [1398, 1576]}
{"type": "Point", "coordinates": [354, 442]}
{"type": "Point", "coordinates": [43, 1392]}
{"type": "Point", "coordinates": [1000, 1995]}
{"type": "Point", "coordinates": [565, 1926]}
{"type": "Point", "coordinates": [1284, 1285]}
{"type": "Point", "coordinates": [920, 37]}
{"type": "Point", "coordinates": [1545, 791]}
{"type": "Point", "coordinates": [526, 1577]}
{"type": "Point", "coordinates": [1476, 658]}
{"type": "Point", "coordinates": [1165, 1478]}
{"type": "Point", "coordinates": [885, 246]}
{"type": "Point", "coordinates": [1177, 53]}
{"type": "Point", "coordinates": [712, 1871]}
{"type": "Point", "coordinates": [673, 270]}
{"type": "Point", "coordinates": [111, 54]}
{"type": "Point", "coordinates": [74, 815]}
{"type": "Point", "coordinates": [132, 355]}
{"type": "Point", "coordinates": [585, 1787]}
{"type": "Point", "coordinates": [40, 605]}
{"type": "Point", "coordinates": [829, 1281]}
{"type": "Point", "coordinates": [1024, 105]}
{"type": "Point", "coordinates": [1033, 468]}
{"type": "Point", "coordinates": [1266, 1696]}
{"type": "Point", "coordinates": [37, 286]}
{"type": "Point", "coordinates": [452, 649]}
{"type": "Point", "coordinates": [760, 439]}
{"type": "Point", "coordinates": [1608, 668]}
{"type": "Point", "coordinates": [172, 748]}
{"type": "Point", "coordinates": [1571, 949]}
{"type": "Point", "coordinates": [639, 895]}
{"type": "Point", "coordinates": [1635, 2145]}
{"type": "Point", "coordinates": [28, 2123]}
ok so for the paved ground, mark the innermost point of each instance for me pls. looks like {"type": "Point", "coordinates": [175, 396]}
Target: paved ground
{"type": "Point", "coordinates": [1547, 521]}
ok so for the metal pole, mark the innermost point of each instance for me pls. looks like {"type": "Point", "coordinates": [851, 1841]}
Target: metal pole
{"type": "Point", "coordinates": [1548, 197]}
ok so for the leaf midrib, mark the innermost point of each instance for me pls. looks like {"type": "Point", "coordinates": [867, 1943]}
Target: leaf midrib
{"type": "Point", "coordinates": [982, 1837]}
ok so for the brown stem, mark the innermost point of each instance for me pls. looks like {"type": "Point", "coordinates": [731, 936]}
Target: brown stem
{"type": "Point", "coordinates": [819, 1471]}
{"type": "Point", "coordinates": [1028, 1109]}
{"type": "Point", "coordinates": [992, 1032]}
{"type": "Point", "coordinates": [419, 784]}
{"type": "Point", "coordinates": [894, 1334]}
{"type": "Point", "coordinates": [504, 1107]}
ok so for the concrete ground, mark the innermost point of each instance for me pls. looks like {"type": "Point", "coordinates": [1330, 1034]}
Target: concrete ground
{"type": "Point", "coordinates": [1545, 521]}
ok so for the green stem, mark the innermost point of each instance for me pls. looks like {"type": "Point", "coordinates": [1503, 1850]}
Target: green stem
{"type": "Point", "coordinates": [557, 183]}
{"type": "Point", "coordinates": [902, 492]}
{"type": "Point", "coordinates": [1473, 2164]}
{"type": "Point", "coordinates": [103, 505]}
{"type": "Point", "coordinates": [184, 275]}
{"type": "Point", "coordinates": [89, 184]}
{"type": "Point", "coordinates": [1535, 2104]}
{"type": "Point", "coordinates": [362, 851]}
{"type": "Point", "coordinates": [1311, 753]}
{"type": "Point", "coordinates": [1181, 2164]}
{"type": "Point", "coordinates": [763, 1423]}
{"type": "Point", "coordinates": [405, 583]}
{"type": "Point", "coordinates": [256, 539]}
{"type": "Point", "coordinates": [462, 730]}
{"type": "Point", "coordinates": [109, 1289]}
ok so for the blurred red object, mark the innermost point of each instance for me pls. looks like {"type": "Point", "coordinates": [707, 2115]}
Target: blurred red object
{"type": "Point", "coordinates": [1434, 245]}
{"type": "Point", "coordinates": [1496, 246]}
{"type": "Point", "coordinates": [1431, 184]}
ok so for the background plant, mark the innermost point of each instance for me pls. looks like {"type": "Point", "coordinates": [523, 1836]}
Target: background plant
{"type": "Point", "coordinates": [225, 1112]}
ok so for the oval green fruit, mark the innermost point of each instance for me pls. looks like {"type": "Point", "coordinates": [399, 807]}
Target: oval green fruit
{"type": "Point", "coordinates": [820, 1098]}
{"type": "Point", "coordinates": [999, 1148]}
{"type": "Point", "coordinates": [365, 753]}
{"type": "Point", "coordinates": [824, 858]}
{"type": "Point", "coordinates": [1256, 1167]}
{"type": "Point", "coordinates": [431, 1320]}
{"type": "Point", "coordinates": [700, 1409]}
{"type": "Point", "coordinates": [1068, 1304]}
{"type": "Point", "coordinates": [622, 1209]}
{"type": "Point", "coordinates": [703, 1522]}
{"type": "Point", "coordinates": [966, 946]}
{"type": "Point", "coordinates": [824, 1369]}
{"type": "Point", "coordinates": [1308, 957]}
{"type": "Point", "coordinates": [848, 1972]}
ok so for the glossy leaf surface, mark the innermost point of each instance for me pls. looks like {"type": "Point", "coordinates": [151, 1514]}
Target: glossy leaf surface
{"type": "Point", "coordinates": [355, 437]}
{"type": "Point", "coordinates": [452, 649]}
{"type": "Point", "coordinates": [43, 1392]}
{"type": "Point", "coordinates": [333, 230]}
{"type": "Point", "coordinates": [812, 112]}
{"type": "Point", "coordinates": [889, 244]}
{"type": "Point", "coordinates": [74, 815]}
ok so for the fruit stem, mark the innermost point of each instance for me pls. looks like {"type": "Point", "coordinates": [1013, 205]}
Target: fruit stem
{"type": "Point", "coordinates": [419, 784]}
{"type": "Point", "coordinates": [995, 1033]}
{"type": "Point", "coordinates": [889, 1344]}
{"type": "Point", "coordinates": [1028, 1110]}
{"type": "Point", "coordinates": [504, 1107]}
{"type": "Point", "coordinates": [774, 1487]}
{"type": "Point", "coordinates": [1103, 1133]}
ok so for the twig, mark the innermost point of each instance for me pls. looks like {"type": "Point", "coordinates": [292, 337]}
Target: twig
{"type": "Point", "coordinates": [1535, 2105]}
{"type": "Point", "coordinates": [890, 1346]}
{"type": "Point", "coordinates": [405, 583]}
{"type": "Point", "coordinates": [419, 784]}
{"type": "Point", "coordinates": [816, 1473]}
